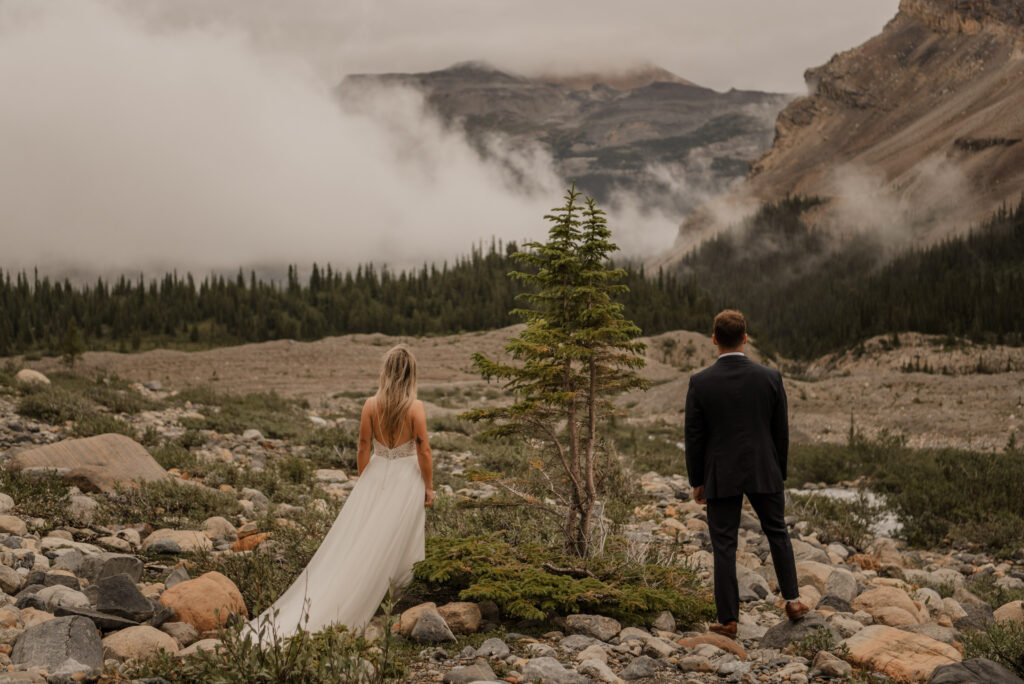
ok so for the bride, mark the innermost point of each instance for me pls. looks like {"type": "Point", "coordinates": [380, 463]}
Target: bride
{"type": "Point", "coordinates": [379, 533]}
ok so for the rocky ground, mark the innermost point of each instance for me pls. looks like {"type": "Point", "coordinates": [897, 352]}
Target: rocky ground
{"type": "Point", "coordinates": [964, 396]}
{"type": "Point", "coordinates": [82, 598]}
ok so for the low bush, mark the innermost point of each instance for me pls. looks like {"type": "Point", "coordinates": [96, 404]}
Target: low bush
{"type": "Point", "coordinates": [274, 416]}
{"type": "Point", "coordinates": [331, 655]}
{"type": "Point", "coordinates": [1002, 642]}
{"type": "Point", "coordinates": [533, 582]}
{"type": "Point", "coordinates": [38, 496]}
{"type": "Point", "coordinates": [166, 503]}
{"type": "Point", "coordinates": [836, 520]}
{"type": "Point", "coordinates": [102, 423]}
{"type": "Point", "coordinates": [985, 588]}
{"type": "Point", "coordinates": [174, 456]}
{"type": "Point", "coordinates": [53, 405]}
{"type": "Point", "coordinates": [820, 639]}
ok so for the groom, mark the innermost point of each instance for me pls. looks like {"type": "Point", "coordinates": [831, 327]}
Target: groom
{"type": "Point", "coordinates": [737, 440]}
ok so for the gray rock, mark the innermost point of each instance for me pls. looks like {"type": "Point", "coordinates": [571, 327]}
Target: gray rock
{"type": "Point", "coordinates": [979, 616]}
{"type": "Point", "coordinates": [50, 644]}
{"type": "Point", "coordinates": [431, 628]}
{"type": "Point", "coordinates": [640, 668]}
{"type": "Point", "coordinates": [805, 551]}
{"type": "Point", "coordinates": [6, 504]}
{"type": "Point", "coordinates": [478, 671]}
{"type": "Point", "coordinates": [974, 671]}
{"type": "Point", "coordinates": [119, 596]}
{"type": "Point", "coordinates": [52, 579]}
{"type": "Point", "coordinates": [176, 576]}
{"type": "Point", "coordinates": [576, 642]}
{"type": "Point", "coordinates": [252, 434]}
{"type": "Point", "coordinates": [829, 665]}
{"type": "Point", "coordinates": [665, 621]}
{"type": "Point", "coordinates": [183, 632]}
{"type": "Point", "coordinates": [103, 622]}
{"type": "Point", "coordinates": [493, 648]}
{"type": "Point", "coordinates": [841, 583]}
{"type": "Point", "coordinates": [258, 498]}
{"type": "Point", "coordinates": [786, 632]}
{"type": "Point", "coordinates": [598, 670]}
{"type": "Point", "coordinates": [59, 595]}
{"type": "Point", "coordinates": [732, 666]}
{"type": "Point", "coordinates": [539, 649]}
{"type": "Point", "coordinates": [946, 635]}
{"type": "Point", "coordinates": [98, 566]}
{"type": "Point", "coordinates": [70, 560]}
{"type": "Point", "coordinates": [753, 587]}
{"type": "Point", "coordinates": [695, 663]}
{"type": "Point", "coordinates": [161, 614]}
{"type": "Point", "coordinates": [836, 603]}
{"type": "Point", "coordinates": [597, 626]}
{"type": "Point", "coordinates": [164, 545]}
{"type": "Point", "coordinates": [550, 671]}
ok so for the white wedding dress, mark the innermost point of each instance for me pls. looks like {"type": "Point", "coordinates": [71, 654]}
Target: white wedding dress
{"type": "Point", "coordinates": [370, 548]}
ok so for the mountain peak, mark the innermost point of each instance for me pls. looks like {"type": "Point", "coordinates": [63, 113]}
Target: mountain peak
{"type": "Point", "coordinates": [628, 79]}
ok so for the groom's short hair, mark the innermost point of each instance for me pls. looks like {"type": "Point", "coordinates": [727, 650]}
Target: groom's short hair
{"type": "Point", "coordinates": [730, 327]}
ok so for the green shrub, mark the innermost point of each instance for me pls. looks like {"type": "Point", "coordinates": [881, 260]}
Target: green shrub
{"type": "Point", "coordinates": [985, 588]}
{"type": "Point", "coordinates": [326, 657]}
{"type": "Point", "coordinates": [1002, 642]}
{"type": "Point", "coordinates": [166, 503]}
{"type": "Point", "coordinates": [455, 517]}
{"type": "Point", "coordinates": [173, 456]}
{"type": "Point", "coordinates": [819, 640]}
{"type": "Point", "coordinates": [190, 439]}
{"type": "Point", "coordinates": [37, 496]}
{"type": "Point", "coordinates": [274, 416]}
{"type": "Point", "coordinates": [7, 373]}
{"type": "Point", "coordinates": [52, 405]}
{"type": "Point", "coordinates": [102, 423]}
{"type": "Point", "coordinates": [847, 522]}
{"type": "Point", "coordinates": [531, 581]}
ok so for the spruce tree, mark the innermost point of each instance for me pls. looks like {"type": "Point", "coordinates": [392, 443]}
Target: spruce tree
{"type": "Point", "coordinates": [71, 342]}
{"type": "Point", "coordinates": [576, 353]}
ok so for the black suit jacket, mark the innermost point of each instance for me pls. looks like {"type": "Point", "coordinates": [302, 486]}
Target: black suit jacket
{"type": "Point", "coordinates": [737, 428]}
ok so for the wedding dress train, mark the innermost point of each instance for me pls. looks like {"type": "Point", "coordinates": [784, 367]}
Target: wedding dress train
{"type": "Point", "coordinates": [370, 548]}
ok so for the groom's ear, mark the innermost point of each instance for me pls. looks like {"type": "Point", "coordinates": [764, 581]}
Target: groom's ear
{"type": "Point", "coordinates": [714, 339]}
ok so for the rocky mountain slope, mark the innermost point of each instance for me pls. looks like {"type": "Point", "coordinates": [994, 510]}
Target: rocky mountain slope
{"type": "Point", "coordinates": [918, 132]}
{"type": "Point", "coordinates": [641, 130]}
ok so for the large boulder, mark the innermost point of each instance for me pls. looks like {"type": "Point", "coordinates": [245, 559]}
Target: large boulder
{"type": "Point", "coordinates": [118, 595]}
{"type": "Point", "coordinates": [597, 626]}
{"type": "Point", "coordinates": [27, 376]}
{"type": "Point", "coordinates": [889, 605]}
{"type": "Point", "coordinates": [786, 631]}
{"type": "Point", "coordinates": [205, 602]}
{"type": "Point", "coordinates": [1010, 612]}
{"type": "Point", "coordinates": [138, 643]}
{"type": "Point", "coordinates": [95, 463]}
{"type": "Point", "coordinates": [463, 617]}
{"type": "Point", "coordinates": [548, 670]}
{"type": "Point", "coordinates": [902, 656]}
{"type": "Point", "coordinates": [974, 671]}
{"type": "Point", "coordinates": [177, 541]}
{"type": "Point", "coordinates": [53, 643]}
{"type": "Point", "coordinates": [98, 566]}
{"type": "Point", "coordinates": [12, 524]}
{"type": "Point", "coordinates": [431, 628]}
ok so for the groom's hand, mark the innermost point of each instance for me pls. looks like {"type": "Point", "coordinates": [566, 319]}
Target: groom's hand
{"type": "Point", "coordinates": [698, 495]}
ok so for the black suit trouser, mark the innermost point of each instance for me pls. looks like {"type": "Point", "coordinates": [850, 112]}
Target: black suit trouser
{"type": "Point", "coordinates": [723, 525]}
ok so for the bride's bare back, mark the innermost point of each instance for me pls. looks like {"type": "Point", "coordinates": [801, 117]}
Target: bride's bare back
{"type": "Point", "coordinates": [413, 428]}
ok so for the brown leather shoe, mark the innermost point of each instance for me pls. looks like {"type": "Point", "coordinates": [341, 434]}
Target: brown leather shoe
{"type": "Point", "coordinates": [796, 610]}
{"type": "Point", "coordinates": [728, 629]}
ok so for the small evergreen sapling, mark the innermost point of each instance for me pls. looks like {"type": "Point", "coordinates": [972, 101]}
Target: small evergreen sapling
{"type": "Point", "coordinates": [576, 353]}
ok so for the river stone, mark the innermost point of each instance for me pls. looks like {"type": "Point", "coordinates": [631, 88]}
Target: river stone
{"type": "Point", "coordinates": [6, 503]}
{"type": "Point", "coordinates": [831, 666]}
{"type": "Point", "coordinates": [50, 644]}
{"type": "Point", "coordinates": [119, 596]}
{"type": "Point", "coordinates": [640, 668]}
{"type": "Point", "coordinates": [10, 581]}
{"type": "Point", "coordinates": [598, 626]}
{"type": "Point", "coordinates": [477, 672]}
{"type": "Point", "coordinates": [550, 671]}
{"type": "Point", "coordinates": [946, 635]}
{"type": "Point", "coordinates": [493, 648]}
{"type": "Point", "coordinates": [205, 602]}
{"type": "Point", "coordinates": [27, 376]}
{"type": "Point", "coordinates": [176, 576]}
{"type": "Point", "coordinates": [752, 586]}
{"type": "Point", "coordinates": [138, 643]}
{"type": "Point", "coordinates": [59, 595]}
{"type": "Point", "coordinates": [106, 564]}
{"type": "Point", "coordinates": [462, 617]}
{"type": "Point", "coordinates": [786, 631]}
{"type": "Point", "coordinates": [177, 541]}
{"type": "Point", "coordinates": [182, 632]}
{"type": "Point", "coordinates": [431, 628]}
{"type": "Point", "coordinates": [899, 655]}
{"type": "Point", "coordinates": [1010, 612]}
{"type": "Point", "coordinates": [841, 583]}
{"type": "Point", "coordinates": [576, 642]}
{"type": "Point", "coordinates": [974, 671]}
{"type": "Point", "coordinates": [805, 551]}
{"type": "Point", "coordinates": [979, 616]}
{"type": "Point", "coordinates": [97, 463]}
{"type": "Point", "coordinates": [665, 621]}
{"type": "Point", "coordinates": [598, 671]}
{"type": "Point", "coordinates": [12, 524]}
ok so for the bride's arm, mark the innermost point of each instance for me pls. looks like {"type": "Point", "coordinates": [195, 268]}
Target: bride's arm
{"type": "Point", "coordinates": [365, 439]}
{"type": "Point", "coordinates": [424, 456]}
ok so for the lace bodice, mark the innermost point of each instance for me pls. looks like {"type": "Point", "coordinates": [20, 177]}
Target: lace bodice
{"type": "Point", "coordinates": [401, 451]}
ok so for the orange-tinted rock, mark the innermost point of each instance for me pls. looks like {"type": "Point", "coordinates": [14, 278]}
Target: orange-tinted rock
{"type": "Point", "coordinates": [205, 602]}
{"type": "Point", "coordinates": [902, 656]}
{"type": "Point", "coordinates": [864, 561]}
{"type": "Point", "coordinates": [879, 601]}
{"type": "Point", "coordinates": [717, 640]}
{"type": "Point", "coordinates": [462, 617]}
{"type": "Point", "coordinates": [250, 542]}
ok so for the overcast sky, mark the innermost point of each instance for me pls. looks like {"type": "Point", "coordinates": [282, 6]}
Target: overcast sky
{"type": "Point", "coordinates": [203, 133]}
{"type": "Point", "coordinates": [755, 44]}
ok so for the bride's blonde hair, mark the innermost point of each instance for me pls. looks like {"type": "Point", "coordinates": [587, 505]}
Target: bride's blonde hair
{"type": "Point", "coordinates": [397, 390]}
